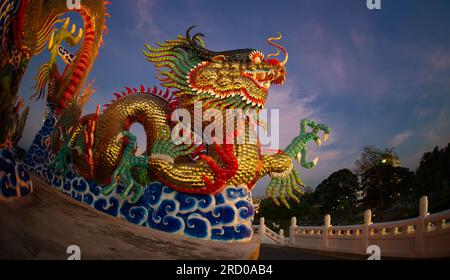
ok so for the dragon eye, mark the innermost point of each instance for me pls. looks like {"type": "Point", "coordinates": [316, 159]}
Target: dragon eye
{"type": "Point", "coordinates": [256, 57]}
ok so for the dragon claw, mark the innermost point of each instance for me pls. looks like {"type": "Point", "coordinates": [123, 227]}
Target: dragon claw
{"type": "Point", "coordinates": [221, 174]}
{"type": "Point", "coordinates": [318, 142]}
{"type": "Point", "coordinates": [108, 189]}
{"type": "Point", "coordinates": [123, 172]}
{"type": "Point", "coordinates": [309, 131]}
{"type": "Point", "coordinates": [119, 137]}
{"type": "Point", "coordinates": [299, 157]}
{"type": "Point", "coordinates": [315, 161]}
{"type": "Point", "coordinates": [288, 182]}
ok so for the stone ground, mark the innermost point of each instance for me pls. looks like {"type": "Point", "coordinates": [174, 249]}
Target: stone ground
{"type": "Point", "coordinates": [274, 252]}
{"type": "Point", "coordinates": [44, 224]}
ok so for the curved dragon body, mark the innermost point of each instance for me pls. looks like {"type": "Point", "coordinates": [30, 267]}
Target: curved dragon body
{"type": "Point", "coordinates": [138, 107]}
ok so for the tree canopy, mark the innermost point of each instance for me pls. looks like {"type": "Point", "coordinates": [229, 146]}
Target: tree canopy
{"type": "Point", "coordinates": [338, 193]}
{"type": "Point", "coordinates": [433, 177]}
{"type": "Point", "coordinates": [372, 156]}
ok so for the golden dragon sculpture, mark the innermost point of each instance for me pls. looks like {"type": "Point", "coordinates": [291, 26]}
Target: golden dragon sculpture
{"type": "Point", "coordinates": [102, 149]}
{"type": "Point", "coordinates": [206, 181]}
{"type": "Point", "coordinates": [97, 144]}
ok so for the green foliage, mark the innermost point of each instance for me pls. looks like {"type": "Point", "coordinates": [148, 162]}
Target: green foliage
{"type": "Point", "coordinates": [306, 212]}
{"type": "Point", "coordinates": [384, 183]}
{"type": "Point", "coordinates": [433, 178]}
{"type": "Point", "coordinates": [371, 157]}
{"type": "Point", "coordinates": [386, 186]}
{"type": "Point", "coordinates": [337, 194]}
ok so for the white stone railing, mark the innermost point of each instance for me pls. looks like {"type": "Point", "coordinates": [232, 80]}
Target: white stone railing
{"type": "Point", "coordinates": [424, 236]}
{"type": "Point", "coordinates": [267, 235]}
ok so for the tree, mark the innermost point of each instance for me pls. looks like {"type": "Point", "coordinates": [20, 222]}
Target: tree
{"type": "Point", "coordinates": [305, 211]}
{"type": "Point", "coordinates": [433, 177]}
{"type": "Point", "coordinates": [367, 168]}
{"type": "Point", "coordinates": [385, 186]}
{"type": "Point", "coordinates": [383, 181]}
{"type": "Point", "coordinates": [371, 157]}
{"type": "Point", "coordinates": [337, 195]}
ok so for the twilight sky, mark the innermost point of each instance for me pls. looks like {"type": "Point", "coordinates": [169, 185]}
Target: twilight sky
{"type": "Point", "coordinates": [376, 77]}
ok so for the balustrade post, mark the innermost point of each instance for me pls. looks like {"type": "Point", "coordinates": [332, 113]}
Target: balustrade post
{"type": "Point", "coordinates": [366, 233]}
{"type": "Point", "coordinates": [281, 234]}
{"type": "Point", "coordinates": [262, 229]}
{"type": "Point", "coordinates": [292, 230]}
{"type": "Point", "coordinates": [420, 225]}
{"type": "Point", "coordinates": [326, 227]}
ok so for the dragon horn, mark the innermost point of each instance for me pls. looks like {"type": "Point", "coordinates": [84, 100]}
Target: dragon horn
{"type": "Point", "coordinates": [279, 47]}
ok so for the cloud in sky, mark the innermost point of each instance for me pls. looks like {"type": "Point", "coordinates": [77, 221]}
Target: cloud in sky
{"type": "Point", "coordinates": [293, 106]}
{"type": "Point", "coordinates": [438, 132]}
{"type": "Point", "coordinates": [400, 138]}
{"type": "Point", "coordinates": [145, 18]}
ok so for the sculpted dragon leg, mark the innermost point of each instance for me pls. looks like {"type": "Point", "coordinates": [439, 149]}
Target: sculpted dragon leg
{"type": "Point", "coordinates": [284, 177]}
{"type": "Point", "coordinates": [222, 174]}
{"type": "Point", "coordinates": [123, 172]}
{"type": "Point", "coordinates": [61, 162]}
{"type": "Point", "coordinates": [206, 176]}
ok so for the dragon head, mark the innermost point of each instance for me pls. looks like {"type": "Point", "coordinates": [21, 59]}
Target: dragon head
{"type": "Point", "coordinates": [236, 79]}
